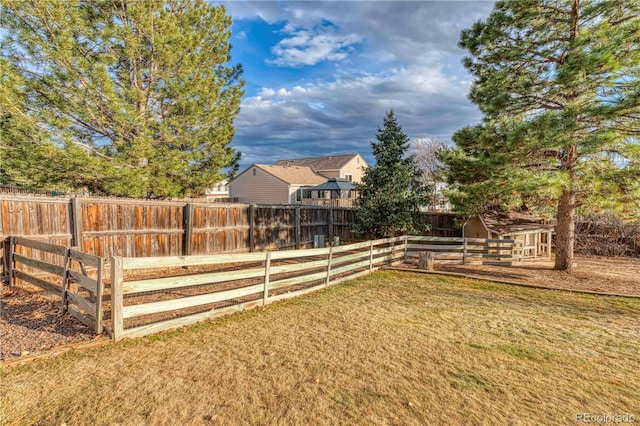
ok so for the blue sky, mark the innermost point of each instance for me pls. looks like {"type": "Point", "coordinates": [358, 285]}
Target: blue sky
{"type": "Point", "coordinates": [320, 76]}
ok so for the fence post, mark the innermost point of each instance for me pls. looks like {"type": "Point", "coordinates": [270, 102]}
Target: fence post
{"type": "Point", "coordinates": [329, 265]}
{"type": "Point", "coordinates": [370, 255]}
{"type": "Point", "coordinates": [5, 260]}
{"type": "Point", "coordinates": [464, 250]}
{"type": "Point", "coordinates": [404, 248]}
{"type": "Point", "coordinates": [65, 281]}
{"type": "Point", "coordinates": [297, 226]}
{"type": "Point", "coordinates": [10, 262]}
{"type": "Point", "coordinates": [549, 246]}
{"type": "Point", "coordinates": [76, 222]}
{"type": "Point", "coordinates": [187, 220]}
{"type": "Point", "coordinates": [252, 213]}
{"type": "Point", "coordinates": [330, 223]}
{"type": "Point", "coordinates": [117, 299]}
{"type": "Point", "coordinates": [99, 293]}
{"type": "Point", "coordinates": [267, 272]}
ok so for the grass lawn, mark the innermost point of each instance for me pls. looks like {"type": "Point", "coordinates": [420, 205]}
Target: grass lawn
{"type": "Point", "coordinates": [389, 348]}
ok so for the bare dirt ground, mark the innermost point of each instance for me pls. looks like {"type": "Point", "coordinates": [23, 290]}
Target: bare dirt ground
{"type": "Point", "coordinates": [602, 274]}
{"type": "Point", "coordinates": [30, 322]}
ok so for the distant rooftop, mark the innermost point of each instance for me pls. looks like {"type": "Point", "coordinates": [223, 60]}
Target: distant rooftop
{"type": "Point", "coordinates": [318, 164]}
{"type": "Point", "coordinates": [293, 174]}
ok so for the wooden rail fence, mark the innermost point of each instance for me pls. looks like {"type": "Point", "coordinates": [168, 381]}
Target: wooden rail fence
{"type": "Point", "coordinates": [151, 294]}
{"type": "Point", "coordinates": [76, 277]}
{"type": "Point", "coordinates": [461, 251]}
{"type": "Point", "coordinates": [255, 279]}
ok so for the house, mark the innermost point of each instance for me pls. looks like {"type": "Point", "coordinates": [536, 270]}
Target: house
{"type": "Point", "coordinates": [290, 181]}
{"type": "Point", "coordinates": [343, 166]}
{"type": "Point", "coordinates": [534, 232]}
{"type": "Point", "coordinates": [271, 184]}
{"type": "Point", "coordinates": [218, 191]}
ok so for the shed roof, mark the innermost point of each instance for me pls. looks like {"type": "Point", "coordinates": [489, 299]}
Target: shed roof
{"type": "Point", "coordinates": [505, 223]}
{"type": "Point", "coordinates": [331, 162]}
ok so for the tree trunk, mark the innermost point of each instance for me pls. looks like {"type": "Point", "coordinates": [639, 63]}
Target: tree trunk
{"type": "Point", "coordinates": [565, 230]}
{"type": "Point", "coordinates": [425, 260]}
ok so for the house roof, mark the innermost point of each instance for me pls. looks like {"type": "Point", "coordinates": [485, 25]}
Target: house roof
{"type": "Point", "coordinates": [335, 184]}
{"type": "Point", "coordinates": [513, 222]}
{"type": "Point", "coordinates": [293, 174]}
{"type": "Point", "coordinates": [332, 162]}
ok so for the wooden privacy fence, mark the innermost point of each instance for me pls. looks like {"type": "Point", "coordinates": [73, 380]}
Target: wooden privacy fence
{"type": "Point", "coordinates": [69, 273]}
{"type": "Point", "coordinates": [144, 228]}
{"type": "Point", "coordinates": [141, 306]}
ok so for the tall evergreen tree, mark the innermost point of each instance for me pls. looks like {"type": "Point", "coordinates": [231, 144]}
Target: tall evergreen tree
{"type": "Point", "coordinates": [559, 84]}
{"type": "Point", "coordinates": [391, 193]}
{"type": "Point", "coordinates": [28, 157]}
{"type": "Point", "coordinates": [141, 87]}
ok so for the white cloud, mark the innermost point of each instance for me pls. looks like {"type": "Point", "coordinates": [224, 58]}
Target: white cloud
{"type": "Point", "coordinates": [404, 31]}
{"type": "Point", "coordinates": [385, 54]}
{"type": "Point", "coordinates": [342, 115]}
{"type": "Point", "coordinates": [311, 46]}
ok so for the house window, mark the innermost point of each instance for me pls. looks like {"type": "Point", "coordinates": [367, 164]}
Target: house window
{"type": "Point", "coordinates": [254, 172]}
{"type": "Point", "coordinates": [322, 194]}
{"type": "Point", "coordinates": [299, 195]}
{"type": "Point", "coordinates": [349, 177]}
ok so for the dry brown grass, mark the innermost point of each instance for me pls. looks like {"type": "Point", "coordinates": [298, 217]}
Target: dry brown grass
{"type": "Point", "coordinates": [390, 348]}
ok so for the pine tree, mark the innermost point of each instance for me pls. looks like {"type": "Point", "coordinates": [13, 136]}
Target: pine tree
{"type": "Point", "coordinates": [138, 94]}
{"type": "Point", "coordinates": [27, 156]}
{"type": "Point", "coordinates": [391, 193]}
{"type": "Point", "coordinates": [559, 85]}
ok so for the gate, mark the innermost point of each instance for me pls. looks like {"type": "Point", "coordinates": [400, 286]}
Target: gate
{"type": "Point", "coordinates": [75, 276]}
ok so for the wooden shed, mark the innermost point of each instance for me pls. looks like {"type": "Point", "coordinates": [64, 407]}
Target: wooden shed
{"type": "Point", "coordinates": [534, 232]}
